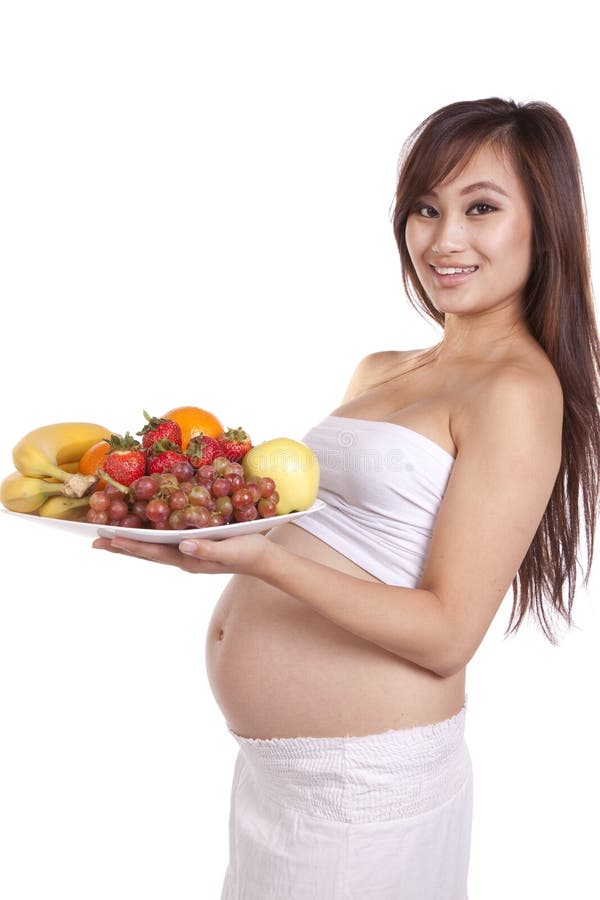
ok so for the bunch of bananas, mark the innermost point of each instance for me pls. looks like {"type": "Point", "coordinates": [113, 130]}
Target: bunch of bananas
{"type": "Point", "coordinates": [47, 479]}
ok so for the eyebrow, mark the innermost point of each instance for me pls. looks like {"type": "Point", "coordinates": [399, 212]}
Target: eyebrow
{"type": "Point", "coordinates": [490, 185]}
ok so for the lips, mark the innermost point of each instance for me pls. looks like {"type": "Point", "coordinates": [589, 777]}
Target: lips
{"type": "Point", "coordinates": [452, 280]}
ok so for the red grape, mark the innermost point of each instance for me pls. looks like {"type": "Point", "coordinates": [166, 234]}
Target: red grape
{"type": "Point", "coordinates": [235, 480]}
{"type": "Point", "coordinates": [177, 519]}
{"type": "Point", "coordinates": [205, 473]}
{"type": "Point", "coordinates": [117, 510]}
{"type": "Point", "coordinates": [233, 468]}
{"type": "Point", "coordinates": [196, 517]}
{"type": "Point", "coordinates": [144, 488]}
{"type": "Point", "coordinates": [178, 500]}
{"type": "Point", "coordinates": [267, 507]}
{"type": "Point", "coordinates": [267, 486]}
{"type": "Point", "coordinates": [139, 509]}
{"type": "Point", "coordinates": [224, 507]}
{"type": "Point", "coordinates": [245, 514]}
{"type": "Point", "coordinates": [216, 519]}
{"type": "Point", "coordinates": [99, 501]}
{"type": "Point", "coordinates": [241, 498]}
{"type": "Point", "coordinates": [111, 491]}
{"type": "Point", "coordinates": [97, 516]}
{"type": "Point", "coordinates": [219, 464]}
{"type": "Point", "coordinates": [131, 521]}
{"type": "Point", "coordinates": [199, 496]}
{"type": "Point", "coordinates": [157, 511]}
{"type": "Point", "coordinates": [183, 470]}
{"type": "Point", "coordinates": [255, 490]}
{"type": "Point", "coordinates": [220, 487]}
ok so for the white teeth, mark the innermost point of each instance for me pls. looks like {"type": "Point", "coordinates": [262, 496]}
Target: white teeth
{"type": "Point", "coordinates": [452, 271]}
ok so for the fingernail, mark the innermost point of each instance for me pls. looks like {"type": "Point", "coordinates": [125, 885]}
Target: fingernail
{"type": "Point", "coordinates": [188, 546]}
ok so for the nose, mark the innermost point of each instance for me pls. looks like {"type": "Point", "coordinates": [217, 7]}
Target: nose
{"type": "Point", "coordinates": [449, 235]}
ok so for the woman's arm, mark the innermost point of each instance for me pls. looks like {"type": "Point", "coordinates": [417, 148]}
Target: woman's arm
{"type": "Point", "coordinates": [406, 621]}
{"type": "Point", "coordinates": [494, 501]}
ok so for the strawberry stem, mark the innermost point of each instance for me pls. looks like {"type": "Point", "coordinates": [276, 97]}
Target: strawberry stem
{"type": "Point", "coordinates": [118, 442]}
{"type": "Point", "coordinates": [105, 477]}
{"type": "Point", "coordinates": [163, 444]}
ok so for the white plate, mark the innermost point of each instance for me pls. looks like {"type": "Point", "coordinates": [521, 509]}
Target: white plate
{"type": "Point", "coordinates": [168, 536]}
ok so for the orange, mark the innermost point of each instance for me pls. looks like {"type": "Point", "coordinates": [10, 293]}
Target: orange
{"type": "Point", "coordinates": [192, 420]}
{"type": "Point", "coordinates": [93, 459]}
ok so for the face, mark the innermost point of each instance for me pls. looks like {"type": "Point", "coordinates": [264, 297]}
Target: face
{"type": "Point", "coordinates": [488, 228]}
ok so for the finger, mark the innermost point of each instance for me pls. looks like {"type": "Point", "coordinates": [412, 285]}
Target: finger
{"type": "Point", "coordinates": [144, 550]}
{"type": "Point", "coordinates": [201, 549]}
{"type": "Point", "coordinates": [102, 544]}
{"type": "Point", "coordinates": [140, 549]}
{"type": "Point", "coordinates": [111, 545]}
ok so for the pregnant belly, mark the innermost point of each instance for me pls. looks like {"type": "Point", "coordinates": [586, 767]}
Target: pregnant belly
{"type": "Point", "coordinates": [277, 668]}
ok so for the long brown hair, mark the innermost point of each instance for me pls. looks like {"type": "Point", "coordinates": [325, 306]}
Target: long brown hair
{"type": "Point", "coordinates": [558, 310]}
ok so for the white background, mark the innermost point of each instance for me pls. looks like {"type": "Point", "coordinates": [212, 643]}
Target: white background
{"type": "Point", "coordinates": [195, 208]}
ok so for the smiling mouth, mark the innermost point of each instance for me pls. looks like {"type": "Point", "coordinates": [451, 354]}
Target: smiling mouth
{"type": "Point", "coordinates": [453, 270]}
{"type": "Point", "coordinates": [449, 277]}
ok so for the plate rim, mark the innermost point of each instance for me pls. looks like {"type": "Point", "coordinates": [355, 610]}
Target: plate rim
{"type": "Point", "coordinates": [176, 535]}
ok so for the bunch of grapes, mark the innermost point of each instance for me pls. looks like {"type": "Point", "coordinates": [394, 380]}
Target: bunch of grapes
{"type": "Point", "coordinates": [216, 494]}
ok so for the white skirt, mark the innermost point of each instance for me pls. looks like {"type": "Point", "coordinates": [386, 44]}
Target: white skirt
{"type": "Point", "coordinates": [385, 816]}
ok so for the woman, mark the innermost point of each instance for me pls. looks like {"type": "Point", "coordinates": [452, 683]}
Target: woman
{"type": "Point", "coordinates": [338, 651]}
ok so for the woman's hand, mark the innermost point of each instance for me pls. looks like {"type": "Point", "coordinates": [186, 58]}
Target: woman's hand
{"type": "Point", "coordinates": [244, 555]}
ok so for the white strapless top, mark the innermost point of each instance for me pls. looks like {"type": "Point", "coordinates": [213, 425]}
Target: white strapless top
{"type": "Point", "coordinates": [383, 484]}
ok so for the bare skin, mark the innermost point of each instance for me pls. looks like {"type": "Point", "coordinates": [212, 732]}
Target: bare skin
{"type": "Point", "coordinates": [277, 667]}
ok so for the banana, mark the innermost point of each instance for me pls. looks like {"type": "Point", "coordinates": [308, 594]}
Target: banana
{"type": "Point", "coordinates": [23, 494]}
{"type": "Point", "coordinates": [71, 468]}
{"type": "Point", "coordinates": [43, 451]}
{"type": "Point", "coordinates": [65, 508]}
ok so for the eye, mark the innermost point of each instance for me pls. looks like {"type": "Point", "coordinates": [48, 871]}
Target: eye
{"type": "Point", "coordinates": [421, 206]}
{"type": "Point", "coordinates": [486, 206]}
{"type": "Point", "coordinates": [424, 211]}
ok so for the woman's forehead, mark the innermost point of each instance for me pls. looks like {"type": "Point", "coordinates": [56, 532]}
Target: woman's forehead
{"type": "Point", "coordinates": [485, 164]}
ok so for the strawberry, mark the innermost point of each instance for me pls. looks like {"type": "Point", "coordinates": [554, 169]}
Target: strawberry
{"type": "Point", "coordinates": [164, 456]}
{"type": "Point", "coordinates": [235, 442]}
{"type": "Point", "coordinates": [158, 429]}
{"type": "Point", "coordinates": [126, 461]}
{"type": "Point", "coordinates": [202, 449]}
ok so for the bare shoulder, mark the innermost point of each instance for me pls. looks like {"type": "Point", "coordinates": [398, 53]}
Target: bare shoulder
{"type": "Point", "coordinates": [372, 370]}
{"type": "Point", "coordinates": [508, 459]}
{"type": "Point", "coordinates": [519, 394]}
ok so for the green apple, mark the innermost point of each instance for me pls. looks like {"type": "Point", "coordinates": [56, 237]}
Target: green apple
{"type": "Point", "coordinates": [292, 465]}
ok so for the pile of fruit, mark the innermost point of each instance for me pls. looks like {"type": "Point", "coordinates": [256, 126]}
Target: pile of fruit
{"type": "Point", "coordinates": [185, 471]}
